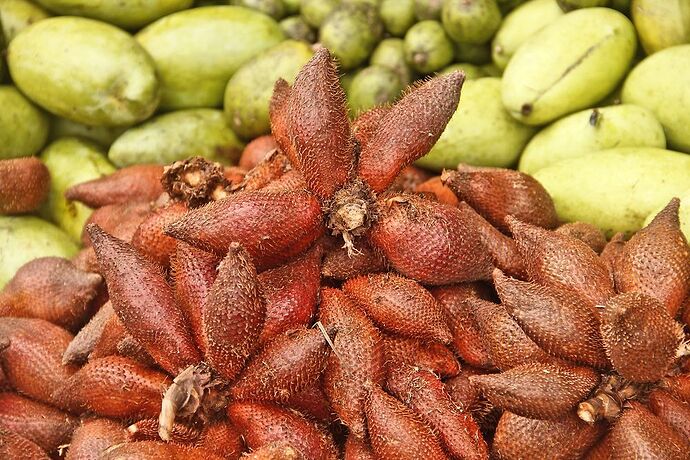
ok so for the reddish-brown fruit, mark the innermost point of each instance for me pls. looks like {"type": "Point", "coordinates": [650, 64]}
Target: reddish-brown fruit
{"type": "Point", "coordinates": [33, 360]}
{"type": "Point", "coordinates": [234, 174]}
{"type": "Point", "coordinates": [340, 265]}
{"type": "Point", "coordinates": [556, 259]}
{"type": "Point", "coordinates": [150, 239]}
{"type": "Point", "coordinates": [256, 151]}
{"type": "Point", "coordinates": [367, 123]}
{"type": "Point", "coordinates": [270, 169]}
{"type": "Point", "coordinates": [291, 292]}
{"type": "Point", "coordinates": [400, 306]}
{"type": "Point", "coordinates": [496, 193]}
{"type": "Point", "coordinates": [287, 364]}
{"type": "Point", "coordinates": [156, 450]}
{"type": "Point", "coordinates": [673, 412]}
{"type": "Point", "coordinates": [114, 386]}
{"type": "Point", "coordinates": [538, 390]}
{"type": "Point", "coordinates": [272, 227]}
{"type": "Point", "coordinates": [559, 320]}
{"type": "Point", "coordinates": [612, 252]}
{"type": "Point", "coordinates": [409, 129]}
{"type": "Point", "coordinates": [266, 423]}
{"type": "Point", "coordinates": [194, 272]}
{"type": "Point", "coordinates": [502, 337]}
{"type": "Point", "coordinates": [46, 426]}
{"type": "Point", "coordinates": [106, 344]}
{"type": "Point", "coordinates": [409, 178]}
{"type": "Point", "coordinates": [440, 247]}
{"type": "Point", "coordinates": [275, 451]}
{"type": "Point", "coordinates": [93, 438]}
{"type": "Point", "coordinates": [424, 393]}
{"type": "Point", "coordinates": [677, 385]}
{"type": "Point", "coordinates": [86, 261]}
{"type": "Point", "coordinates": [395, 431]}
{"type": "Point", "coordinates": [233, 315]}
{"type": "Point", "coordinates": [434, 356]}
{"type": "Point", "coordinates": [467, 340]}
{"type": "Point", "coordinates": [145, 303]}
{"type": "Point", "coordinates": [223, 439]}
{"type": "Point", "coordinates": [290, 181]}
{"type": "Point", "coordinates": [638, 433]}
{"type": "Point", "coordinates": [312, 402]}
{"type": "Point", "coordinates": [656, 261]}
{"type": "Point", "coordinates": [148, 429]}
{"type": "Point", "coordinates": [24, 185]}
{"type": "Point", "coordinates": [50, 288]}
{"type": "Point", "coordinates": [601, 450]}
{"type": "Point", "coordinates": [563, 439]}
{"type": "Point", "coordinates": [279, 118]}
{"type": "Point", "coordinates": [438, 189]}
{"type": "Point", "coordinates": [133, 183]}
{"type": "Point", "coordinates": [587, 233]}
{"type": "Point", "coordinates": [358, 359]}
{"type": "Point", "coordinates": [358, 449]}
{"type": "Point", "coordinates": [640, 337]}
{"type": "Point", "coordinates": [15, 447]}
{"type": "Point", "coordinates": [465, 395]}
{"type": "Point", "coordinates": [120, 220]}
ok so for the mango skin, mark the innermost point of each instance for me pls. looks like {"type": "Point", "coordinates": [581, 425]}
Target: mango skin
{"type": "Point", "coordinates": [23, 126]}
{"type": "Point", "coordinates": [372, 86]}
{"type": "Point", "coordinates": [101, 135]}
{"type": "Point", "coordinates": [390, 53]}
{"type": "Point", "coordinates": [480, 132]}
{"type": "Point", "coordinates": [128, 14]}
{"type": "Point", "coordinates": [176, 136]}
{"type": "Point", "coordinates": [616, 189]}
{"type": "Point", "coordinates": [473, 21]}
{"type": "Point", "coordinates": [84, 70]}
{"type": "Point", "coordinates": [587, 132]}
{"type": "Point", "coordinates": [17, 15]}
{"type": "Point", "coordinates": [196, 51]}
{"type": "Point", "coordinates": [518, 26]}
{"type": "Point", "coordinates": [427, 47]}
{"type": "Point", "coordinates": [25, 238]}
{"type": "Point", "coordinates": [351, 33]}
{"type": "Point", "coordinates": [249, 91]}
{"type": "Point", "coordinates": [569, 65]}
{"type": "Point", "coordinates": [472, 72]}
{"type": "Point", "coordinates": [683, 214]}
{"type": "Point", "coordinates": [661, 83]}
{"type": "Point", "coordinates": [397, 16]}
{"type": "Point", "coordinates": [661, 23]}
{"type": "Point", "coordinates": [71, 161]}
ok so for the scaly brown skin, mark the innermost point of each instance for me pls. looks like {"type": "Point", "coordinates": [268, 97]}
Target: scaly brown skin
{"type": "Point", "coordinates": [11, 443]}
{"type": "Point", "coordinates": [88, 336]}
{"type": "Point", "coordinates": [256, 151]}
{"type": "Point", "coordinates": [156, 450]}
{"type": "Point", "coordinates": [674, 412]}
{"type": "Point", "coordinates": [133, 183]}
{"type": "Point", "coordinates": [94, 437]}
{"type": "Point", "coordinates": [435, 187]}
{"type": "Point", "coordinates": [586, 233]}
{"type": "Point", "coordinates": [150, 239]}
{"type": "Point", "coordinates": [120, 220]}
{"type": "Point", "coordinates": [434, 356]}
{"type": "Point", "coordinates": [357, 449]}
{"type": "Point", "coordinates": [223, 439]}
{"type": "Point", "coordinates": [24, 185]}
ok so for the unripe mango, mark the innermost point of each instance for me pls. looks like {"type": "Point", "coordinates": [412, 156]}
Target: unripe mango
{"type": "Point", "coordinates": [474, 54]}
{"type": "Point", "coordinates": [101, 135]}
{"type": "Point", "coordinates": [472, 72]}
{"type": "Point", "coordinates": [351, 32]}
{"type": "Point", "coordinates": [592, 130]}
{"type": "Point", "coordinates": [391, 53]}
{"type": "Point", "coordinates": [372, 86]}
{"type": "Point", "coordinates": [480, 132]}
{"type": "Point", "coordinates": [296, 28]}
{"type": "Point", "coordinates": [17, 15]}
{"type": "Point", "coordinates": [569, 65]}
{"type": "Point", "coordinates": [71, 161]}
{"type": "Point", "coordinates": [84, 70]}
{"type": "Point", "coordinates": [569, 5]}
{"type": "Point", "coordinates": [23, 126]}
{"type": "Point", "coordinates": [249, 91]}
{"type": "Point", "coordinates": [273, 8]}
{"type": "Point", "coordinates": [661, 23]}
{"type": "Point", "coordinates": [397, 16]}
{"type": "Point", "coordinates": [615, 189]}
{"type": "Point", "coordinates": [26, 238]}
{"type": "Point", "coordinates": [427, 47]}
{"type": "Point", "coordinates": [196, 51]}
{"type": "Point", "coordinates": [661, 83]}
{"type": "Point", "coordinates": [316, 11]}
{"type": "Point", "coordinates": [471, 21]}
{"type": "Point", "coordinates": [428, 9]}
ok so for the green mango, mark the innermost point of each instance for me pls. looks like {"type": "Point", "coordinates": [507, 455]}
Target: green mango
{"type": "Point", "coordinates": [101, 135]}
{"type": "Point", "coordinates": [292, 6]}
{"type": "Point", "coordinates": [372, 86]}
{"type": "Point", "coordinates": [683, 213]}
{"type": "Point", "coordinates": [661, 23]}
{"type": "Point", "coordinates": [196, 51]}
{"type": "Point", "coordinates": [480, 132]}
{"type": "Point", "coordinates": [391, 53]}
{"type": "Point", "coordinates": [296, 28]}
{"type": "Point", "coordinates": [70, 161]}
{"type": "Point", "coordinates": [569, 65]}
{"type": "Point", "coordinates": [426, 10]}
{"type": "Point", "coordinates": [23, 126]}
{"type": "Point", "coordinates": [249, 91]}
{"type": "Point", "coordinates": [397, 16]}
{"type": "Point", "coordinates": [506, 6]}
{"type": "Point", "coordinates": [471, 21]}
{"type": "Point", "coordinates": [25, 238]}
{"type": "Point", "coordinates": [661, 83]}
{"type": "Point", "coordinates": [175, 136]}
{"type": "Point", "coordinates": [590, 131]}
{"type": "Point", "coordinates": [350, 33]}
{"type": "Point", "coordinates": [84, 70]}
{"type": "Point", "coordinates": [569, 5]}
{"type": "Point", "coordinates": [427, 47]}
{"type": "Point", "coordinates": [17, 15]}
{"type": "Point", "coordinates": [316, 11]}
{"type": "Point", "coordinates": [273, 8]}
{"type": "Point", "coordinates": [523, 22]}
{"type": "Point", "coordinates": [615, 189]}
{"type": "Point", "coordinates": [472, 72]}
{"type": "Point", "coordinates": [491, 70]}
{"type": "Point", "coordinates": [474, 54]}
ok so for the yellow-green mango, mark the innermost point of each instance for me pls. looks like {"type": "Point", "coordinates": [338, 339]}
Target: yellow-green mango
{"type": "Point", "coordinates": [661, 83]}
{"type": "Point", "coordinates": [372, 86]}
{"type": "Point", "coordinates": [315, 12]}
{"type": "Point", "coordinates": [25, 238]}
{"type": "Point", "coordinates": [661, 23]}
{"type": "Point", "coordinates": [471, 71]}
{"type": "Point", "coordinates": [592, 130]}
{"type": "Point", "coordinates": [101, 135]}
{"type": "Point", "coordinates": [351, 33]}
{"type": "Point", "coordinates": [391, 53]}
{"type": "Point", "coordinates": [71, 161]}
{"type": "Point", "coordinates": [23, 126]}
{"type": "Point", "coordinates": [471, 21]}
{"type": "Point", "coordinates": [480, 132]}
{"type": "Point", "coordinates": [569, 65]}
{"type": "Point", "coordinates": [196, 51]}
{"type": "Point", "coordinates": [397, 16]}
{"type": "Point", "coordinates": [17, 15]}
{"type": "Point", "coordinates": [615, 189]}
{"type": "Point", "coordinates": [84, 70]}
{"type": "Point", "coordinates": [683, 213]}
{"type": "Point", "coordinates": [569, 5]}
{"type": "Point", "coordinates": [273, 8]}
{"type": "Point", "coordinates": [249, 91]}
{"type": "Point", "coordinates": [427, 47]}
{"type": "Point", "coordinates": [296, 28]}
{"type": "Point", "coordinates": [523, 22]}
{"type": "Point", "coordinates": [175, 136]}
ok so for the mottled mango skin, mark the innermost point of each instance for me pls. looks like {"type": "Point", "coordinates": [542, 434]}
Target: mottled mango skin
{"type": "Point", "coordinates": [23, 126]}
{"type": "Point", "coordinates": [84, 70]}
{"type": "Point", "coordinates": [372, 86]}
{"type": "Point", "coordinates": [17, 15]}
{"type": "Point", "coordinates": [661, 23]}
{"type": "Point", "coordinates": [196, 51]}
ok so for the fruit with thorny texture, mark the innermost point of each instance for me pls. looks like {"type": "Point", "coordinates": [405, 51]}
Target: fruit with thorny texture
{"type": "Point", "coordinates": [674, 412]}
{"type": "Point", "coordinates": [88, 336]}
{"type": "Point", "coordinates": [53, 289]}
{"type": "Point", "coordinates": [196, 181]}
{"type": "Point", "coordinates": [149, 238]}
{"type": "Point", "coordinates": [358, 449]}
{"type": "Point", "coordinates": [587, 233]}
{"type": "Point", "coordinates": [338, 264]}
{"type": "Point", "coordinates": [11, 443]}
{"type": "Point", "coordinates": [677, 385]}
{"type": "Point", "coordinates": [155, 450]}
{"type": "Point", "coordinates": [24, 185]}
{"type": "Point", "coordinates": [120, 220]}
{"type": "Point", "coordinates": [257, 150]}
{"type": "Point", "coordinates": [222, 438]}
{"type": "Point", "coordinates": [434, 356]}
{"type": "Point", "coordinates": [312, 402]}
{"type": "Point", "coordinates": [94, 437]}
{"type": "Point", "coordinates": [439, 190]}
{"type": "Point", "coordinates": [275, 451]}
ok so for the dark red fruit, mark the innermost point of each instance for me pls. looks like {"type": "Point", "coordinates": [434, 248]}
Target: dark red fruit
{"type": "Point", "coordinates": [15, 447]}
{"type": "Point", "coordinates": [674, 412]}
{"type": "Point", "coordinates": [587, 233]}
{"type": "Point", "coordinates": [133, 183]}
{"type": "Point", "coordinates": [367, 123]}
{"type": "Point", "coordinates": [256, 150]}
{"type": "Point", "coordinates": [88, 336]}
{"type": "Point", "coordinates": [156, 450]}
{"type": "Point", "coordinates": [93, 438]}
{"type": "Point", "coordinates": [435, 187]}
{"type": "Point", "coordinates": [311, 401]}
{"type": "Point", "coordinates": [223, 439]}
{"type": "Point", "coordinates": [340, 265]}
{"type": "Point", "coordinates": [120, 220]}
{"type": "Point", "coordinates": [24, 185]}
{"type": "Point", "coordinates": [150, 239]}
{"type": "Point", "coordinates": [434, 356]}
{"type": "Point", "coordinates": [357, 449]}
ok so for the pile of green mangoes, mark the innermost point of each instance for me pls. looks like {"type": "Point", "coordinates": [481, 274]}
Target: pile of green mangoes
{"type": "Point", "coordinates": [586, 95]}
